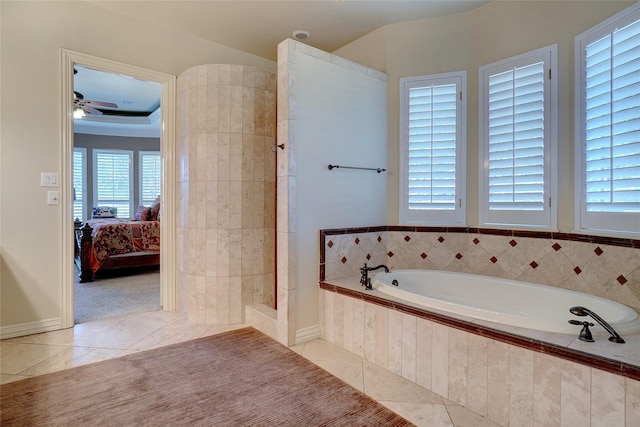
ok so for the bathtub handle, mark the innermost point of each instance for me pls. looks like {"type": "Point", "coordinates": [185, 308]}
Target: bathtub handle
{"type": "Point", "coordinates": [585, 333]}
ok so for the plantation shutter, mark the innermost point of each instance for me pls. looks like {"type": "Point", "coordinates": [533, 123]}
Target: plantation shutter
{"type": "Point", "coordinates": [518, 128]}
{"type": "Point", "coordinates": [612, 122]}
{"type": "Point", "coordinates": [516, 139]}
{"type": "Point", "coordinates": [79, 179]}
{"type": "Point", "coordinates": [432, 149]}
{"type": "Point", "coordinates": [113, 180]}
{"type": "Point", "coordinates": [150, 177]}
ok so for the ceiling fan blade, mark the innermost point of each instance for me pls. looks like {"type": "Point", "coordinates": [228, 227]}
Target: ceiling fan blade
{"type": "Point", "coordinates": [102, 104]}
{"type": "Point", "coordinates": [91, 110]}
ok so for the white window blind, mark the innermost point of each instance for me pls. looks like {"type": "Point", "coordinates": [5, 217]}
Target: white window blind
{"type": "Point", "coordinates": [608, 140]}
{"type": "Point", "coordinates": [150, 177]}
{"type": "Point", "coordinates": [79, 183]}
{"type": "Point", "coordinates": [432, 149]}
{"type": "Point", "coordinates": [113, 181]}
{"type": "Point", "coordinates": [517, 139]}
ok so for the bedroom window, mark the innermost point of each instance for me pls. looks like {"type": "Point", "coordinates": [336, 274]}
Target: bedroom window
{"type": "Point", "coordinates": [432, 149]}
{"type": "Point", "coordinates": [79, 183]}
{"type": "Point", "coordinates": [113, 180]}
{"type": "Point", "coordinates": [608, 126]}
{"type": "Point", "coordinates": [518, 98]}
{"type": "Point", "coordinates": [150, 177]}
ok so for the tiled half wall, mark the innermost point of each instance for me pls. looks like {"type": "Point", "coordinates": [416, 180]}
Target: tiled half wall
{"type": "Point", "coordinates": [510, 381]}
{"type": "Point", "coordinates": [601, 266]}
{"type": "Point", "coordinates": [509, 384]}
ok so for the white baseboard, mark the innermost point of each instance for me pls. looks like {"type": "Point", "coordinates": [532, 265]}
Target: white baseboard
{"type": "Point", "coordinates": [307, 334]}
{"type": "Point", "coordinates": [22, 329]}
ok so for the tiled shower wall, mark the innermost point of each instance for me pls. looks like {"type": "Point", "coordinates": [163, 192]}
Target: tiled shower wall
{"type": "Point", "coordinates": [225, 219]}
{"type": "Point", "coordinates": [604, 267]}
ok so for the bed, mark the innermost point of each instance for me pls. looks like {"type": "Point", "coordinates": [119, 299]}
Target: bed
{"type": "Point", "coordinates": [115, 243]}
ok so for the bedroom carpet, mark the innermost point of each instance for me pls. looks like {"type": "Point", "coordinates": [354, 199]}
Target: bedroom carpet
{"type": "Point", "coordinates": [115, 296]}
{"type": "Point", "coordinates": [238, 378]}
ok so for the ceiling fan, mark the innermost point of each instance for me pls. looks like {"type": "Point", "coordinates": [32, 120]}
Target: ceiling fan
{"type": "Point", "coordinates": [79, 103]}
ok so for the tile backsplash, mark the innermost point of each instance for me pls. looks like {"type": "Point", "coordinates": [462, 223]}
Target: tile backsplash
{"type": "Point", "coordinates": [604, 267]}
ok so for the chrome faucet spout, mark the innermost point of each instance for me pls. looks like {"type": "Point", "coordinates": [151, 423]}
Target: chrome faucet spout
{"type": "Point", "coordinates": [582, 311]}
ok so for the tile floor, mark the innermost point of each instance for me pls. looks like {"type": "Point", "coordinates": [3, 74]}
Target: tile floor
{"type": "Point", "coordinates": [108, 338]}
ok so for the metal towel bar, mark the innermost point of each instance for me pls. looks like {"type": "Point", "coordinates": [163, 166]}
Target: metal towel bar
{"type": "Point", "coordinates": [354, 167]}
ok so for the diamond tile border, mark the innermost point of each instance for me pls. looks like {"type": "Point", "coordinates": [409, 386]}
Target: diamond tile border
{"type": "Point", "coordinates": [585, 238]}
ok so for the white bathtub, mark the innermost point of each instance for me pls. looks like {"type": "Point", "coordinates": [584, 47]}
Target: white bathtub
{"type": "Point", "coordinates": [504, 301]}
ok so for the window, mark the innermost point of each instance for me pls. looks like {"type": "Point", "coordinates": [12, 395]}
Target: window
{"type": "Point", "coordinates": [432, 149]}
{"type": "Point", "coordinates": [79, 183]}
{"type": "Point", "coordinates": [518, 98]}
{"type": "Point", "coordinates": [608, 126]}
{"type": "Point", "coordinates": [150, 177]}
{"type": "Point", "coordinates": [113, 180]}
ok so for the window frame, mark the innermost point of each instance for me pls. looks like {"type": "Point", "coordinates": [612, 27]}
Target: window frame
{"type": "Point", "coordinates": [547, 218]}
{"type": "Point", "coordinates": [83, 192]}
{"type": "Point", "coordinates": [97, 202]}
{"type": "Point", "coordinates": [141, 155]}
{"type": "Point", "coordinates": [457, 216]}
{"type": "Point", "coordinates": [596, 223]}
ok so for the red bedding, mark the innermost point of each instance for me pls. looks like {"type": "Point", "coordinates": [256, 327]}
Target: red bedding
{"type": "Point", "coordinates": [115, 236]}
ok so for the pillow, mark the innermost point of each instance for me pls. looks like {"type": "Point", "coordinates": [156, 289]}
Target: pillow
{"type": "Point", "coordinates": [155, 209]}
{"type": "Point", "coordinates": [138, 215]}
{"type": "Point", "coordinates": [104, 212]}
{"type": "Point", "coordinates": [146, 214]}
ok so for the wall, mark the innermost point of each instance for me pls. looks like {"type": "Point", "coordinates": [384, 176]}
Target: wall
{"type": "Point", "coordinates": [226, 197]}
{"type": "Point", "coordinates": [498, 30]}
{"type": "Point", "coordinates": [330, 111]}
{"type": "Point", "coordinates": [31, 36]}
{"type": "Point", "coordinates": [91, 142]}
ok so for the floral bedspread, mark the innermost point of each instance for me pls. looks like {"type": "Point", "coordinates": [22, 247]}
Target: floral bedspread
{"type": "Point", "coordinates": [115, 236]}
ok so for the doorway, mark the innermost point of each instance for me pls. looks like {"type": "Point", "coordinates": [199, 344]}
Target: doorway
{"type": "Point", "coordinates": [71, 60]}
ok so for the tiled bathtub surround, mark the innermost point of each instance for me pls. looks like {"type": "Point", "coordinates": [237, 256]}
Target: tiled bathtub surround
{"type": "Point", "coordinates": [512, 381]}
{"type": "Point", "coordinates": [509, 384]}
{"type": "Point", "coordinates": [608, 268]}
{"type": "Point", "coordinates": [226, 191]}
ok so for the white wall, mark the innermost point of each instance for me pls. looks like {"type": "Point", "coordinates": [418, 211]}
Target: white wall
{"type": "Point", "coordinates": [334, 113]}
{"type": "Point", "coordinates": [498, 30]}
{"type": "Point", "coordinates": [32, 34]}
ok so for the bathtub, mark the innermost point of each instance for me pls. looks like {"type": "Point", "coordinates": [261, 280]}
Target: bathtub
{"type": "Point", "coordinates": [508, 302]}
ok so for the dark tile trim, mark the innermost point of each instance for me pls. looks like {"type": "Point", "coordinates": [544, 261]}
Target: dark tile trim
{"type": "Point", "coordinates": [602, 240]}
{"type": "Point", "coordinates": [598, 362]}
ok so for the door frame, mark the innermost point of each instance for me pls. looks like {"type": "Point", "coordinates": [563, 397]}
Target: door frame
{"type": "Point", "coordinates": [68, 59]}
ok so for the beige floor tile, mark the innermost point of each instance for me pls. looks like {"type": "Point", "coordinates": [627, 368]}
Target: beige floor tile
{"type": "Point", "coordinates": [322, 350]}
{"type": "Point", "coordinates": [421, 414]}
{"type": "Point", "coordinates": [61, 337]}
{"type": "Point", "coordinates": [349, 372]}
{"type": "Point", "coordinates": [382, 384]}
{"type": "Point", "coordinates": [70, 357]}
{"type": "Point", "coordinates": [462, 417]}
{"type": "Point", "coordinates": [16, 357]}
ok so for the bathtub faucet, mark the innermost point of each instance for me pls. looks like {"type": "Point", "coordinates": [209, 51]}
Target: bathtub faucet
{"type": "Point", "coordinates": [365, 280]}
{"type": "Point", "coordinates": [581, 311]}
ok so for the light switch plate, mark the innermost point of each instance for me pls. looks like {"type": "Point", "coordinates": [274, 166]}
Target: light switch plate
{"type": "Point", "coordinates": [48, 179]}
{"type": "Point", "coordinates": [53, 197]}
